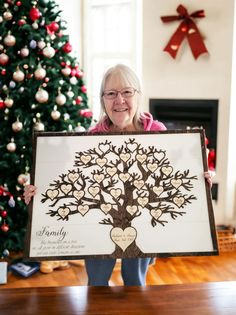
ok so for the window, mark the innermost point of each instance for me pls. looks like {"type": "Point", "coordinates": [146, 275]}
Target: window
{"type": "Point", "coordinates": [112, 34]}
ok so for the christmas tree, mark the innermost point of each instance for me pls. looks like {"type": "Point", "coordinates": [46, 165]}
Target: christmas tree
{"type": "Point", "coordinates": [41, 89]}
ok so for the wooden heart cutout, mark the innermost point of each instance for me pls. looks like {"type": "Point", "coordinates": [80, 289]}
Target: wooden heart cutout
{"type": "Point", "coordinates": [73, 177]}
{"type": "Point", "coordinates": [83, 209]}
{"type": "Point", "coordinates": [101, 162]}
{"type": "Point", "coordinates": [52, 193]}
{"type": "Point", "coordinates": [158, 190]}
{"type": "Point", "coordinates": [125, 156]}
{"type": "Point", "coordinates": [98, 178]}
{"type": "Point", "coordinates": [124, 177]}
{"type": "Point", "coordinates": [66, 188]}
{"type": "Point", "coordinates": [176, 183]}
{"type": "Point", "coordinates": [63, 212]}
{"type": "Point", "coordinates": [167, 170]}
{"type": "Point", "coordinates": [85, 159]}
{"type": "Point", "coordinates": [132, 209]}
{"type": "Point", "coordinates": [78, 194]}
{"type": "Point", "coordinates": [115, 192]}
{"type": "Point", "coordinates": [111, 171]}
{"type": "Point", "coordinates": [179, 201]}
{"type": "Point", "coordinates": [123, 238]}
{"type": "Point", "coordinates": [106, 207]}
{"type": "Point", "coordinates": [142, 201]}
{"type": "Point", "coordinates": [93, 190]}
{"type": "Point", "coordinates": [156, 213]}
{"type": "Point", "coordinates": [139, 183]}
{"type": "Point", "coordinates": [141, 157]}
{"type": "Point", "coordinates": [152, 167]}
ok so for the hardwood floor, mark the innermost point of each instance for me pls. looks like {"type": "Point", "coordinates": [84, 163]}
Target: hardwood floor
{"type": "Point", "coordinates": [174, 270]}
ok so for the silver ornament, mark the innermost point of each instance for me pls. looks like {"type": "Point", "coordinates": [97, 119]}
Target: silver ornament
{"type": "Point", "coordinates": [18, 75]}
{"type": "Point", "coordinates": [60, 99]}
{"type": "Point", "coordinates": [40, 73]}
{"type": "Point", "coordinates": [11, 146]}
{"type": "Point", "coordinates": [55, 114]}
{"type": "Point", "coordinates": [9, 40]}
{"type": "Point", "coordinates": [49, 52]}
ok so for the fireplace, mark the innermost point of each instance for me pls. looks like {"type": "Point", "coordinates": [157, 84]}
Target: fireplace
{"type": "Point", "coordinates": [190, 113]}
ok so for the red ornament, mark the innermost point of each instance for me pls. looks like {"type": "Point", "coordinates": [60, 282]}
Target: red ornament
{"type": "Point", "coordinates": [83, 89]}
{"type": "Point", "coordinates": [3, 72]}
{"type": "Point", "coordinates": [188, 29]}
{"type": "Point", "coordinates": [5, 227]}
{"type": "Point", "coordinates": [18, 3]}
{"type": "Point", "coordinates": [78, 100]}
{"type": "Point", "coordinates": [21, 22]}
{"type": "Point", "coordinates": [3, 213]}
{"type": "Point", "coordinates": [86, 113]}
{"type": "Point", "coordinates": [52, 28]}
{"type": "Point", "coordinates": [34, 14]}
{"type": "Point", "coordinates": [2, 104]}
{"type": "Point", "coordinates": [67, 48]}
{"type": "Point", "coordinates": [73, 72]}
{"type": "Point", "coordinates": [3, 59]}
{"type": "Point", "coordinates": [79, 74]}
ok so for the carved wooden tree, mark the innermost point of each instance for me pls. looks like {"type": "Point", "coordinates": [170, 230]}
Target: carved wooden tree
{"type": "Point", "coordinates": [121, 182]}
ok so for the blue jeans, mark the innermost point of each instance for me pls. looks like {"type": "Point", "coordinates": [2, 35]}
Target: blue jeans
{"type": "Point", "coordinates": [133, 270]}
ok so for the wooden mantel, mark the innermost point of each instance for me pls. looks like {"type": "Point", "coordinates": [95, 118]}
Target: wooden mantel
{"type": "Point", "coordinates": [218, 298]}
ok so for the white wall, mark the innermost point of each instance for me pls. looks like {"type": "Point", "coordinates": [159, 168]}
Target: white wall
{"type": "Point", "coordinates": [208, 77]}
{"type": "Point", "coordinates": [72, 14]}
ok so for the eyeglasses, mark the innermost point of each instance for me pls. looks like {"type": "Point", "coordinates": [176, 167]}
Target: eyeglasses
{"type": "Point", "coordinates": [125, 93]}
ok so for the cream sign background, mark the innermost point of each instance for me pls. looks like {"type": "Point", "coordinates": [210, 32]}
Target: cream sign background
{"type": "Point", "coordinates": [120, 195]}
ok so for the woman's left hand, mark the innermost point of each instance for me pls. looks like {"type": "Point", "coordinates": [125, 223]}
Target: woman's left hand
{"type": "Point", "coordinates": [208, 176]}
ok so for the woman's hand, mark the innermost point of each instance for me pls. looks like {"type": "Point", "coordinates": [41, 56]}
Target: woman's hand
{"type": "Point", "coordinates": [208, 176]}
{"type": "Point", "coordinates": [29, 192]}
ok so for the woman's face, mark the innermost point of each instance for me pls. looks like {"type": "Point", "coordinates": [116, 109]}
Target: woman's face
{"type": "Point", "coordinates": [121, 110]}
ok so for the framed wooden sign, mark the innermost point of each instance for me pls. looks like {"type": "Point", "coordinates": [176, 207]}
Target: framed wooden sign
{"type": "Point", "coordinates": [120, 195]}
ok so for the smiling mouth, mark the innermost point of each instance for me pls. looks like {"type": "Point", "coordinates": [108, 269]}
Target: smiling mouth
{"type": "Point", "coordinates": [118, 110]}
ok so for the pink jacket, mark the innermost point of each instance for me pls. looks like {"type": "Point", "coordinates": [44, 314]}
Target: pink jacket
{"type": "Point", "coordinates": [149, 124]}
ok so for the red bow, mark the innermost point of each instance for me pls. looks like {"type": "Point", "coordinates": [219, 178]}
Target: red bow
{"type": "Point", "coordinates": [188, 29]}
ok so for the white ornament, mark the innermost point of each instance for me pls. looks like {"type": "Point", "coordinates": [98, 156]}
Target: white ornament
{"type": "Point", "coordinates": [40, 73]}
{"type": "Point", "coordinates": [23, 179]}
{"type": "Point", "coordinates": [39, 126]}
{"type": "Point", "coordinates": [24, 52]}
{"type": "Point", "coordinates": [73, 80]}
{"type": "Point", "coordinates": [55, 114]}
{"type": "Point", "coordinates": [41, 44]}
{"type": "Point", "coordinates": [60, 99]}
{"type": "Point", "coordinates": [17, 126]}
{"type": "Point", "coordinates": [49, 52]}
{"type": "Point", "coordinates": [41, 96]}
{"type": "Point", "coordinates": [35, 26]}
{"type": "Point", "coordinates": [18, 75]}
{"type": "Point", "coordinates": [11, 146]}
{"type": "Point", "coordinates": [70, 94]}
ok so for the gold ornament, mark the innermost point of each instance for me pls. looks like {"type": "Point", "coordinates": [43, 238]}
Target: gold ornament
{"type": "Point", "coordinates": [55, 114]}
{"type": "Point", "coordinates": [9, 40]}
{"type": "Point", "coordinates": [48, 52]}
{"type": "Point", "coordinates": [39, 126]}
{"type": "Point", "coordinates": [41, 96]}
{"type": "Point", "coordinates": [7, 15]}
{"type": "Point", "coordinates": [40, 73]}
{"type": "Point", "coordinates": [9, 102]}
{"type": "Point", "coordinates": [60, 99]}
{"type": "Point", "coordinates": [18, 75]}
{"type": "Point", "coordinates": [66, 71]}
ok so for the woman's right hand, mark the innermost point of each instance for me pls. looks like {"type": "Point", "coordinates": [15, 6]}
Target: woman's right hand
{"type": "Point", "coordinates": [29, 192]}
